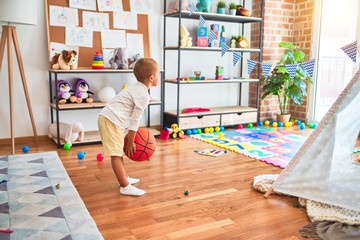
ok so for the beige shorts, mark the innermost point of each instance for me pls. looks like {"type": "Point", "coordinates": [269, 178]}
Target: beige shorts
{"type": "Point", "coordinates": [112, 137]}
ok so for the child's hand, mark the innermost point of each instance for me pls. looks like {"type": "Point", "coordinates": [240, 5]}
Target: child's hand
{"type": "Point", "coordinates": [130, 148]}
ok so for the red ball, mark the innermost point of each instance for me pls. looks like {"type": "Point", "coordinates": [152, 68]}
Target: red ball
{"type": "Point", "coordinates": [145, 145]}
{"type": "Point", "coordinates": [100, 157]}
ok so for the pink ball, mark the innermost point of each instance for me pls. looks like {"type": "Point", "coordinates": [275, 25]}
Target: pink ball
{"type": "Point", "coordinates": [100, 157]}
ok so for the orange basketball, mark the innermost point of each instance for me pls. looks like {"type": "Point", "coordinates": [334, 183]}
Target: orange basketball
{"type": "Point", "coordinates": [145, 145]}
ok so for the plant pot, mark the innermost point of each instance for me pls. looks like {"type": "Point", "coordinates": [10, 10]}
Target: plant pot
{"type": "Point", "coordinates": [282, 118]}
{"type": "Point", "coordinates": [232, 12]}
{"type": "Point", "coordinates": [221, 10]}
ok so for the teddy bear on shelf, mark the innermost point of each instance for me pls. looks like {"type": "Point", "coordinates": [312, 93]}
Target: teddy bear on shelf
{"type": "Point", "coordinates": [82, 91]}
{"type": "Point", "coordinates": [65, 93]}
{"type": "Point", "coordinates": [185, 39]}
{"type": "Point", "coordinates": [119, 59]}
{"type": "Point", "coordinates": [174, 6]}
{"type": "Point", "coordinates": [66, 60]}
{"type": "Point", "coordinates": [133, 60]}
{"type": "Point", "coordinates": [203, 5]}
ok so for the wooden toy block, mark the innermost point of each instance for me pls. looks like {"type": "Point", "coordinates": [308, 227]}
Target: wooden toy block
{"type": "Point", "coordinates": [202, 41]}
{"type": "Point", "coordinates": [202, 32]}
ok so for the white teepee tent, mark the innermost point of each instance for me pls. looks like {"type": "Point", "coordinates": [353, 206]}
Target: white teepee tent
{"type": "Point", "coordinates": [323, 169]}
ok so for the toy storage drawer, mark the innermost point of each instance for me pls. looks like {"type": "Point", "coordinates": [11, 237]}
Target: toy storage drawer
{"type": "Point", "coordinates": [199, 122]}
{"type": "Point", "coordinates": [238, 118]}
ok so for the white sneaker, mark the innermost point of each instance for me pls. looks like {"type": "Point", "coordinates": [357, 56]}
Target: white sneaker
{"type": "Point", "coordinates": [131, 190]}
{"type": "Point", "coordinates": [132, 180]}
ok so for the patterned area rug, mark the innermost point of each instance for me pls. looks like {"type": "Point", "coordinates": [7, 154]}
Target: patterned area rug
{"type": "Point", "coordinates": [269, 145]}
{"type": "Point", "coordinates": [39, 201]}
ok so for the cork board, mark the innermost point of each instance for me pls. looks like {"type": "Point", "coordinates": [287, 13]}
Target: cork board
{"type": "Point", "coordinates": [57, 33]}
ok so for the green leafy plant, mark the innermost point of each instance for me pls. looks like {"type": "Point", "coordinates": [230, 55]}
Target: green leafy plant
{"type": "Point", "coordinates": [280, 84]}
{"type": "Point", "coordinates": [221, 4]}
{"type": "Point", "coordinates": [233, 6]}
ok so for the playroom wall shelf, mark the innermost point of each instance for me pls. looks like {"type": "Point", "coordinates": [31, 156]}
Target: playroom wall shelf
{"type": "Point", "coordinates": [90, 136]}
{"type": "Point", "coordinates": [217, 116]}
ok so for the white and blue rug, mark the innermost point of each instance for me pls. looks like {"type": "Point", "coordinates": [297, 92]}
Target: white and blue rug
{"type": "Point", "coordinates": [39, 201]}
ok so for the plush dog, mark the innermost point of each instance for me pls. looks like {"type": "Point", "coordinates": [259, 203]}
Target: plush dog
{"type": "Point", "coordinates": [68, 132]}
{"type": "Point", "coordinates": [65, 93]}
{"type": "Point", "coordinates": [174, 6]}
{"type": "Point", "coordinates": [66, 60]}
{"type": "Point", "coordinates": [82, 91]}
{"type": "Point", "coordinates": [119, 59]}
{"type": "Point", "coordinates": [203, 5]}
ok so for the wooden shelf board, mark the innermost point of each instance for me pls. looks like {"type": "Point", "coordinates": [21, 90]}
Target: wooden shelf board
{"type": "Point", "coordinates": [233, 80]}
{"type": "Point", "coordinates": [92, 105]}
{"type": "Point", "coordinates": [214, 17]}
{"type": "Point", "coordinates": [195, 48]}
{"type": "Point", "coordinates": [215, 111]}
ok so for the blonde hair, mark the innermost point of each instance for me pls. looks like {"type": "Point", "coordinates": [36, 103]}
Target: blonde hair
{"type": "Point", "coordinates": [144, 68]}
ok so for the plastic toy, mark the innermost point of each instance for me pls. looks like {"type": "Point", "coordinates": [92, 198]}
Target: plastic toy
{"type": "Point", "coordinates": [250, 125]}
{"type": "Point", "coordinates": [240, 126]}
{"type": "Point", "coordinates": [188, 132]}
{"type": "Point", "coordinates": [222, 128]}
{"type": "Point", "coordinates": [66, 60]}
{"type": "Point", "coordinates": [274, 124]}
{"type": "Point", "coordinates": [203, 5]}
{"type": "Point", "coordinates": [219, 73]}
{"type": "Point", "coordinates": [302, 126]}
{"type": "Point", "coordinates": [119, 59]}
{"type": "Point", "coordinates": [100, 157]}
{"type": "Point", "coordinates": [98, 62]}
{"type": "Point", "coordinates": [57, 186]}
{"type": "Point", "coordinates": [280, 124]}
{"type": "Point", "coordinates": [106, 94]}
{"type": "Point", "coordinates": [220, 135]}
{"type": "Point", "coordinates": [25, 148]}
{"type": "Point", "coordinates": [82, 91]}
{"type": "Point", "coordinates": [67, 146]}
{"type": "Point", "coordinates": [217, 129]}
{"type": "Point", "coordinates": [80, 155]}
{"type": "Point", "coordinates": [211, 152]}
{"type": "Point", "coordinates": [260, 123]}
{"type": "Point", "coordinates": [65, 93]}
{"type": "Point", "coordinates": [191, 110]}
{"type": "Point", "coordinates": [267, 123]}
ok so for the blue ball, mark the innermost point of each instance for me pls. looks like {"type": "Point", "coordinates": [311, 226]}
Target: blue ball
{"type": "Point", "coordinates": [302, 126]}
{"type": "Point", "coordinates": [193, 131]}
{"type": "Point", "coordinates": [81, 155]}
{"type": "Point", "coordinates": [222, 128]}
{"type": "Point", "coordinates": [188, 132]}
{"type": "Point", "coordinates": [260, 123]}
{"type": "Point", "coordinates": [298, 122]}
{"type": "Point", "coordinates": [280, 124]}
{"type": "Point", "coordinates": [25, 148]}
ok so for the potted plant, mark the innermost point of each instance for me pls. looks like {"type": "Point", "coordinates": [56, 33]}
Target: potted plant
{"type": "Point", "coordinates": [232, 8]}
{"type": "Point", "coordinates": [279, 83]}
{"type": "Point", "coordinates": [221, 7]}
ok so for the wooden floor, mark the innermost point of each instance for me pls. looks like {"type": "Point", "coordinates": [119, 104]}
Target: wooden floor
{"type": "Point", "coordinates": [221, 204]}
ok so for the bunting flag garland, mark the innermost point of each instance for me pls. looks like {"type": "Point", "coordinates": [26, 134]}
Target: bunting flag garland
{"type": "Point", "coordinates": [351, 50]}
{"type": "Point", "coordinates": [251, 65]}
{"type": "Point", "coordinates": [236, 58]}
{"type": "Point", "coordinates": [212, 36]}
{"type": "Point", "coordinates": [309, 66]}
{"type": "Point", "coordinates": [201, 21]}
{"type": "Point", "coordinates": [193, 8]}
{"type": "Point", "coordinates": [291, 68]}
{"type": "Point", "coordinates": [266, 68]}
{"type": "Point", "coordinates": [224, 48]}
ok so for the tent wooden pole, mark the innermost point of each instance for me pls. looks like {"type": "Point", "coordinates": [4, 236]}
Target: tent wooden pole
{"type": "Point", "coordinates": [268, 192]}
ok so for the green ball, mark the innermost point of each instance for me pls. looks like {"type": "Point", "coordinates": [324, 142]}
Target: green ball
{"type": "Point", "coordinates": [250, 125]}
{"type": "Point", "coordinates": [67, 146]}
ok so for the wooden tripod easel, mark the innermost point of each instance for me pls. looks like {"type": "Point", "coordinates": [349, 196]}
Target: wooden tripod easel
{"type": "Point", "coordinates": [9, 35]}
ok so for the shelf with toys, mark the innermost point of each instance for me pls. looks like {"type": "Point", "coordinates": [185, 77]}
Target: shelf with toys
{"type": "Point", "coordinates": [209, 38]}
{"type": "Point", "coordinates": [56, 107]}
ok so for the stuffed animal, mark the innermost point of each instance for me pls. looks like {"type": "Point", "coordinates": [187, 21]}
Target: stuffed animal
{"type": "Point", "coordinates": [119, 59]}
{"type": "Point", "coordinates": [68, 132]}
{"type": "Point", "coordinates": [82, 91]}
{"type": "Point", "coordinates": [66, 60]}
{"type": "Point", "coordinates": [133, 60]}
{"type": "Point", "coordinates": [185, 40]}
{"type": "Point", "coordinates": [174, 6]}
{"type": "Point", "coordinates": [65, 93]}
{"type": "Point", "coordinates": [203, 5]}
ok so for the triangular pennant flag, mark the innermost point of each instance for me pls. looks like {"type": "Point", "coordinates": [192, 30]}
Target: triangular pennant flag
{"type": "Point", "coordinates": [201, 22]}
{"type": "Point", "coordinates": [224, 48]}
{"type": "Point", "coordinates": [193, 8]}
{"type": "Point", "coordinates": [236, 57]}
{"type": "Point", "coordinates": [251, 64]}
{"type": "Point", "coordinates": [291, 68]}
{"type": "Point", "coordinates": [351, 50]}
{"type": "Point", "coordinates": [266, 68]}
{"type": "Point", "coordinates": [309, 66]}
{"type": "Point", "coordinates": [212, 36]}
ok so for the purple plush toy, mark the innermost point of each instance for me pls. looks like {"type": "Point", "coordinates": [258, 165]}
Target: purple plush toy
{"type": "Point", "coordinates": [82, 91]}
{"type": "Point", "coordinates": [65, 92]}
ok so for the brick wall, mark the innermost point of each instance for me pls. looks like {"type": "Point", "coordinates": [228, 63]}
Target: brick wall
{"type": "Point", "coordinates": [284, 20]}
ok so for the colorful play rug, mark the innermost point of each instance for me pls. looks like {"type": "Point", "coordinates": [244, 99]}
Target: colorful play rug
{"type": "Point", "coordinates": [39, 201]}
{"type": "Point", "coordinates": [269, 145]}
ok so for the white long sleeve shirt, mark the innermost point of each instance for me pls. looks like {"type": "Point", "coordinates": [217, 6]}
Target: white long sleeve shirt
{"type": "Point", "coordinates": [128, 106]}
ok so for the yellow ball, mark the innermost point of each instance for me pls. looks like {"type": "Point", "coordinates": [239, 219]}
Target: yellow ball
{"type": "Point", "coordinates": [206, 130]}
{"type": "Point", "coordinates": [217, 129]}
{"type": "Point", "coordinates": [266, 123]}
{"type": "Point", "coordinates": [288, 124]}
{"type": "Point", "coordinates": [221, 135]}
{"type": "Point", "coordinates": [211, 129]}
{"type": "Point", "coordinates": [274, 124]}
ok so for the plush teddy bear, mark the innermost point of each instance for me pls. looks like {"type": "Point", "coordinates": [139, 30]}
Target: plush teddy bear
{"type": "Point", "coordinates": [203, 5]}
{"type": "Point", "coordinates": [174, 6]}
{"type": "Point", "coordinates": [119, 59]}
{"type": "Point", "coordinates": [65, 93]}
{"type": "Point", "coordinates": [133, 60]}
{"type": "Point", "coordinates": [68, 132]}
{"type": "Point", "coordinates": [82, 91]}
{"type": "Point", "coordinates": [185, 40]}
{"type": "Point", "coordinates": [66, 60]}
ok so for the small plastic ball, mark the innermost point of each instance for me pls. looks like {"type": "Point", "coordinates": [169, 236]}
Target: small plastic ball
{"type": "Point", "coordinates": [298, 122]}
{"type": "Point", "coordinates": [302, 126]}
{"type": "Point", "coordinates": [280, 124]}
{"type": "Point", "coordinates": [287, 124]}
{"type": "Point", "coordinates": [250, 125]}
{"type": "Point", "coordinates": [260, 123]}
{"type": "Point", "coordinates": [198, 131]}
{"type": "Point", "coordinates": [310, 125]}
{"type": "Point", "coordinates": [220, 135]}
{"type": "Point", "coordinates": [206, 130]}
{"type": "Point", "coordinates": [222, 128]}
{"type": "Point", "coordinates": [267, 123]}
{"type": "Point", "coordinates": [217, 129]}
{"type": "Point", "coordinates": [225, 151]}
{"type": "Point", "coordinates": [240, 126]}
{"type": "Point", "coordinates": [100, 156]}
{"type": "Point", "coordinates": [106, 94]}
{"type": "Point", "coordinates": [274, 124]}
{"type": "Point", "coordinates": [188, 132]}
{"type": "Point", "coordinates": [193, 131]}
{"type": "Point", "coordinates": [314, 125]}
{"type": "Point", "coordinates": [81, 155]}
{"type": "Point", "coordinates": [196, 150]}
{"type": "Point", "coordinates": [67, 146]}
{"type": "Point", "coordinates": [211, 129]}
{"type": "Point", "coordinates": [25, 148]}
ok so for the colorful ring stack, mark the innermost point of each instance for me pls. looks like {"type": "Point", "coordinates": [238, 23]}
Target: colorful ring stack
{"type": "Point", "coordinates": [98, 62]}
